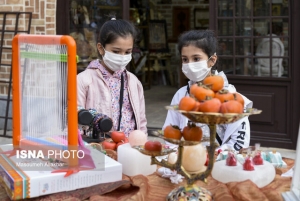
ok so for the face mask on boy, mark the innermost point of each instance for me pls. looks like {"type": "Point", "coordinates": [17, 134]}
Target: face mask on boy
{"type": "Point", "coordinates": [196, 71]}
{"type": "Point", "coordinates": [116, 62]}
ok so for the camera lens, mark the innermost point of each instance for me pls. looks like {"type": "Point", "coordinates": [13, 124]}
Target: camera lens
{"type": "Point", "coordinates": [105, 124]}
{"type": "Point", "coordinates": [85, 117]}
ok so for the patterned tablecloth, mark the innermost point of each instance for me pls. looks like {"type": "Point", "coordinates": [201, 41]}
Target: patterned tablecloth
{"type": "Point", "coordinates": [156, 188]}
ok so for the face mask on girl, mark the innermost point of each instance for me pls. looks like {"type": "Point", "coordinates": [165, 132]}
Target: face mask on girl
{"type": "Point", "coordinates": [196, 71]}
{"type": "Point", "coordinates": [116, 62]}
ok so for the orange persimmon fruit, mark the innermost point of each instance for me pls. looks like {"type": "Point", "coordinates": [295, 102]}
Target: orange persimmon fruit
{"type": "Point", "coordinates": [201, 92]}
{"type": "Point", "coordinates": [232, 106]}
{"type": "Point", "coordinates": [191, 132]}
{"type": "Point", "coordinates": [238, 97]}
{"type": "Point", "coordinates": [210, 105]}
{"type": "Point", "coordinates": [172, 131]}
{"type": "Point", "coordinates": [215, 82]}
{"type": "Point", "coordinates": [224, 95]}
{"type": "Point", "coordinates": [187, 103]}
{"type": "Point", "coordinates": [197, 106]}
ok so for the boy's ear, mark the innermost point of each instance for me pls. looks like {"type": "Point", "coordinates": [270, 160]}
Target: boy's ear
{"type": "Point", "coordinates": [213, 60]}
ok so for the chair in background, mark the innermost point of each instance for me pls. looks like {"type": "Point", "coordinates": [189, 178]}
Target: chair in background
{"type": "Point", "coordinates": [138, 65]}
{"type": "Point", "coordinates": [160, 64]}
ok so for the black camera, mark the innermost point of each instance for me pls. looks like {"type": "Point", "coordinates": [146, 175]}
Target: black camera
{"type": "Point", "coordinates": [97, 124]}
{"type": "Point", "coordinates": [101, 124]}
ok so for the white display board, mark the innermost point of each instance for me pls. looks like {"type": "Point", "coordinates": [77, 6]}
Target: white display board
{"type": "Point", "coordinates": [294, 194]}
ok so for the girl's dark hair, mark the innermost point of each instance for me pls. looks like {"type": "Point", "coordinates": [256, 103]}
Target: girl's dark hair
{"type": "Point", "coordinates": [113, 29]}
{"type": "Point", "coordinates": [203, 39]}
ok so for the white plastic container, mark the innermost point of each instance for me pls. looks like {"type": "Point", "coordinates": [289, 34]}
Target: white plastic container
{"type": "Point", "coordinates": [133, 162]}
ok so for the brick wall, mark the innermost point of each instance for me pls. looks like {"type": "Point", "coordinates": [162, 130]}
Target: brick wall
{"type": "Point", "coordinates": [43, 22]}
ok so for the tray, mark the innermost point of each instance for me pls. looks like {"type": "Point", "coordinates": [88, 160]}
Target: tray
{"type": "Point", "coordinates": [160, 134]}
{"type": "Point", "coordinates": [212, 118]}
{"type": "Point", "coordinates": [163, 152]}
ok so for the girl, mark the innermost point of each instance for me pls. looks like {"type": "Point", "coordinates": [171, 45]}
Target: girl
{"type": "Point", "coordinates": [198, 54]}
{"type": "Point", "coordinates": [107, 86]}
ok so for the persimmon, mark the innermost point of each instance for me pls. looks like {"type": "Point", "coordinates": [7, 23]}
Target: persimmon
{"type": "Point", "coordinates": [232, 106]}
{"type": "Point", "coordinates": [201, 92]}
{"type": "Point", "coordinates": [153, 146]}
{"type": "Point", "coordinates": [109, 145]}
{"type": "Point", "coordinates": [216, 82]}
{"type": "Point", "coordinates": [238, 97]}
{"type": "Point", "coordinates": [191, 132]}
{"type": "Point", "coordinates": [210, 105]}
{"type": "Point", "coordinates": [172, 131]}
{"type": "Point", "coordinates": [118, 136]}
{"type": "Point", "coordinates": [197, 106]}
{"type": "Point", "coordinates": [122, 142]}
{"type": "Point", "coordinates": [224, 95]}
{"type": "Point", "coordinates": [187, 103]}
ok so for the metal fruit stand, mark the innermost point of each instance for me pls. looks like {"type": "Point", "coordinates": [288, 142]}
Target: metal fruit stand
{"type": "Point", "coordinates": [191, 191]}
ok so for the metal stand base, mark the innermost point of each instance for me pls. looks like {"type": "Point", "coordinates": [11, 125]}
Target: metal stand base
{"type": "Point", "coordinates": [191, 193]}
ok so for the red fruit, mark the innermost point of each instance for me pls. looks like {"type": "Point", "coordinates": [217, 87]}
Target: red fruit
{"type": "Point", "coordinates": [248, 165]}
{"type": "Point", "coordinates": [109, 145]}
{"type": "Point", "coordinates": [122, 142]}
{"type": "Point", "coordinates": [207, 160]}
{"type": "Point", "coordinates": [257, 159]}
{"type": "Point", "coordinates": [191, 132]}
{"type": "Point", "coordinates": [230, 160]}
{"type": "Point", "coordinates": [153, 146]}
{"type": "Point", "coordinates": [117, 136]}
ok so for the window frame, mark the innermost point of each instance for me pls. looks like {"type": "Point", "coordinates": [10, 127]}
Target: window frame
{"type": "Point", "coordinates": [214, 14]}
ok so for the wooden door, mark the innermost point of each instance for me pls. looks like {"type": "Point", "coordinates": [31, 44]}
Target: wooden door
{"type": "Point", "coordinates": [98, 12]}
{"type": "Point", "coordinates": [259, 50]}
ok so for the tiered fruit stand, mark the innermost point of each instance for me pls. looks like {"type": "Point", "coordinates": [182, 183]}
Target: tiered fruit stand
{"type": "Point", "coordinates": [191, 191]}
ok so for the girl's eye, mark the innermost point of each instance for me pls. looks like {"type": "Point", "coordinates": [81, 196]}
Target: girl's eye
{"type": "Point", "coordinates": [128, 52]}
{"type": "Point", "coordinates": [116, 52]}
{"type": "Point", "coordinates": [196, 59]}
{"type": "Point", "coordinates": [185, 60]}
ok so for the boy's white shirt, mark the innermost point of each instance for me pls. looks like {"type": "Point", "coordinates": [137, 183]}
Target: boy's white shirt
{"type": "Point", "coordinates": [234, 136]}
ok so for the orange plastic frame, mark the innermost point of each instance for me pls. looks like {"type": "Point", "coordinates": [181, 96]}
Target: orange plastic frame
{"type": "Point", "coordinates": [71, 92]}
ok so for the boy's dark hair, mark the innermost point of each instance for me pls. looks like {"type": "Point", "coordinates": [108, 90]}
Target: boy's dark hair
{"type": "Point", "coordinates": [113, 29]}
{"type": "Point", "coordinates": [203, 39]}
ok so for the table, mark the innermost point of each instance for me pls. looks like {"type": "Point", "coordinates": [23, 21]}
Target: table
{"type": "Point", "coordinates": [156, 188]}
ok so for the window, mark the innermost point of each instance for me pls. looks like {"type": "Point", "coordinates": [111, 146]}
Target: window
{"type": "Point", "coordinates": [253, 37]}
{"type": "Point", "coordinates": [86, 18]}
